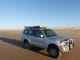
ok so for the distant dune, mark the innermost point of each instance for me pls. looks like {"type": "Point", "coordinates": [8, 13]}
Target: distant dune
{"type": "Point", "coordinates": [67, 28]}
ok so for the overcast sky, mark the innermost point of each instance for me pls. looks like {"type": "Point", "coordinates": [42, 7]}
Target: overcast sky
{"type": "Point", "coordinates": [20, 13]}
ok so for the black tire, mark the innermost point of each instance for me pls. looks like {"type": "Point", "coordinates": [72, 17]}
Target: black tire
{"type": "Point", "coordinates": [54, 52]}
{"type": "Point", "coordinates": [26, 44]}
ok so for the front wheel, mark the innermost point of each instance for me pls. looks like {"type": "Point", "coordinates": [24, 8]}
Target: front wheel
{"type": "Point", "coordinates": [54, 52]}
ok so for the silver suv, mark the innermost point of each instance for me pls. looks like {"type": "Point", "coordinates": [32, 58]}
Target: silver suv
{"type": "Point", "coordinates": [45, 38]}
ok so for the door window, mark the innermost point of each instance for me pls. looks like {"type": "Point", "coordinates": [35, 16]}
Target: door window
{"type": "Point", "coordinates": [38, 33]}
{"type": "Point", "coordinates": [31, 32]}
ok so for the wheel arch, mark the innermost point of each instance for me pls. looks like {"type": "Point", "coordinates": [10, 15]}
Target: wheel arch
{"type": "Point", "coordinates": [50, 45]}
{"type": "Point", "coordinates": [26, 40]}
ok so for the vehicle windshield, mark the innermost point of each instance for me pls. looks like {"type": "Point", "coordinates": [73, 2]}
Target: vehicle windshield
{"type": "Point", "coordinates": [49, 33]}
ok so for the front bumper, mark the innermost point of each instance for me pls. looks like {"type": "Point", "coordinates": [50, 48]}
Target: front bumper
{"type": "Point", "coordinates": [67, 46]}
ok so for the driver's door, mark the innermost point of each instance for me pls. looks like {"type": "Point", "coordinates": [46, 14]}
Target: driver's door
{"type": "Point", "coordinates": [39, 40]}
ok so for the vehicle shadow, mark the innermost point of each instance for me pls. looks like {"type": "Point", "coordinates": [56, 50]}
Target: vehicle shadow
{"type": "Point", "coordinates": [19, 44]}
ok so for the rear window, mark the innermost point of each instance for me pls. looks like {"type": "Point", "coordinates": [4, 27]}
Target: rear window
{"type": "Point", "coordinates": [25, 32]}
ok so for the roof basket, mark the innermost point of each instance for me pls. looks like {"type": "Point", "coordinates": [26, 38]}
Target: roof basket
{"type": "Point", "coordinates": [33, 27]}
{"type": "Point", "coordinates": [36, 27]}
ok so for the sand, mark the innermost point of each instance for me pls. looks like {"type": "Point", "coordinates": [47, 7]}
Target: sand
{"type": "Point", "coordinates": [11, 47]}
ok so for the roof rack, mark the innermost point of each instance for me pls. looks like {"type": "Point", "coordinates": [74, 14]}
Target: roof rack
{"type": "Point", "coordinates": [32, 27]}
{"type": "Point", "coordinates": [35, 27]}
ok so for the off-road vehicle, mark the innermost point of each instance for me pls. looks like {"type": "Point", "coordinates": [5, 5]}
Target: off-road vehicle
{"type": "Point", "coordinates": [45, 38]}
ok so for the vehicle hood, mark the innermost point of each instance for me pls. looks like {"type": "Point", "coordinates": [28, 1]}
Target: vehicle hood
{"type": "Point", "coordinates": [58, 38]}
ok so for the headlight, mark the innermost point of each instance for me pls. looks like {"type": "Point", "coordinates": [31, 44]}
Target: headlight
{"type": "Point", "coordinates": [71, 40]}
{"type": "Point", "coordinates": [64, 42]}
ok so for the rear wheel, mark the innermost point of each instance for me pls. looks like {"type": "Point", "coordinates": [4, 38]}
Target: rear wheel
{"type": "Point", "coordinates": [54, 52]}
{"type": "Point", "coordinates": [26, 44]}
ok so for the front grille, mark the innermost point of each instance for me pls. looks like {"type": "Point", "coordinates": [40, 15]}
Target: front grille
{"type": "Point", "coordinates": [70, 43]}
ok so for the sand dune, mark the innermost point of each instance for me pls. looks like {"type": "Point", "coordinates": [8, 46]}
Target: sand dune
{"type": "Point", "coordinates": [11, 48]}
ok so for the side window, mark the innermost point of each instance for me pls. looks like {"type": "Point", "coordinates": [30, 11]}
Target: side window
{"type": "Point", "coordinates": [25, 32]}
{"type": "Point", "coordinates": [31, 32]}
{"type": "Point", "coordinates": [38, 33]}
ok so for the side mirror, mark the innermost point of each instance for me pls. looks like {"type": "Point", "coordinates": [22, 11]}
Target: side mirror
{"type": "Point", "coordinates": [42, 36]}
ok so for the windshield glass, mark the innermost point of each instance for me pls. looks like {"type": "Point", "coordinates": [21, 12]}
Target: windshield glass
{"type": "Point", "coordinates": [49, 33]}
